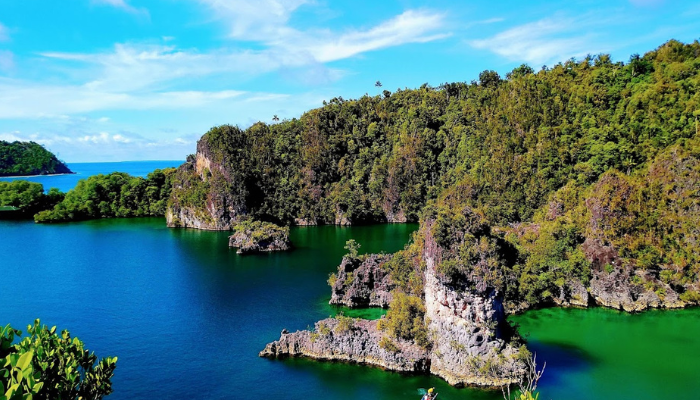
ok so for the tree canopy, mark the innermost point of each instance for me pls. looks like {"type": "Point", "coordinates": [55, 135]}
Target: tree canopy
{"type": "Point", "coordinates": [28, 158]}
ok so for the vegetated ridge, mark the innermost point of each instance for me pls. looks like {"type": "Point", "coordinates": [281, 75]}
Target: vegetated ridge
{"type": "Point", "coordinates": [28, 158]}
{"type": "Point", "coordinates": [100, 196]}
{"type": "Point", "coordinates": [572, 185]}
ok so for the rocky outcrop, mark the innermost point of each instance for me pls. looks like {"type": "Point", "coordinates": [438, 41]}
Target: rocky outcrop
{"type": "Point", "coordinates": [362, 282]}
{"type": "Point", "coordinates": [208, 192]}
{"type": "Point", "coordinates": [355, 341]}
{"type": "Point", "coordinates": [572, 294]}
{"type": "Point", "coordinates": [616, 290]}
{"type": "Point", "coordinates": [466, 342]}
{"type": "Point", "coordinates": [258, 237]}
{"type": "Point", "coordinates": [467, 347]}
{"type": "Point", "coordinates": [613, 284]}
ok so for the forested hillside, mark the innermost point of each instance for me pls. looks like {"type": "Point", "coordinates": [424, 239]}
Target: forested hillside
{"type": "Point", "coordinates": [28, 158]}
{"type": "Point", "coordinates": [586, 173]}
{"type": "Point", "coordinates": [113, 195]}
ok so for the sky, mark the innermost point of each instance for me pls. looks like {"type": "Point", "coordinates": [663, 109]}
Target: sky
{"type": "Point", "coordinates": [121, 80]}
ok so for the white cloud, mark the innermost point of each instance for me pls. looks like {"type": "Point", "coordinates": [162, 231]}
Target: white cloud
{"type": "Point", "coordinates": [408, 27]}
{"type": "Point", "coordinates": [4, 33]}
{"type": "Point", "coordinates": [104, 146]}
{"type": "Point", "coordinates": [21, 99]}
{"type": "Point", "coordinates": [257, 20]}
{"type": "Point", "coordinates": [7, 60]}
{"type": "Point", "coordinates": [544, 41]}
{"type": "Point", "coordinates": [123, 5]}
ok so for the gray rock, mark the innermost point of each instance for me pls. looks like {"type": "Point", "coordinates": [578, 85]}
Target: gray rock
{"type": "Point", "coordinates": [359, 344]}
{"type": "Point", "coordinates": [363, 282]}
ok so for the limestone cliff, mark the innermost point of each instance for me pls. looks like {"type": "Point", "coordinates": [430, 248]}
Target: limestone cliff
{"type": "Point", "coordinates": [362, 282]}
{"type": "Point", "coordinates": [466, 344]}
{"type": "Point", "coordinates": [356, 341]}
{"type": "Point", "coordinates": [208, 192]}
{"type": "Point", "coordinates": [616, 284]}
{"type": "Point", "coordinates": [467, 348]}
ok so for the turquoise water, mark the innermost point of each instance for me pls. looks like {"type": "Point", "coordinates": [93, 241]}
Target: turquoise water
{"type": "Point", "coordinates": [84, 170]}
{"type": "Point", "coordinates": [607, 354]}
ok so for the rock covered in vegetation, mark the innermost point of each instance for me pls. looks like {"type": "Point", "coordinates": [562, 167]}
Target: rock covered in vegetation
{"type": "Point", "coordinates": [113, 195]}
{"type": "Point", "coordinates": [349, 340]}
{"type": "Point", "coordinates": [465, 313]}
{"type": "Point", "coordinates": [208, 189]}
{"type": "Point", "coordinates": [362, 282]}
{"type": "Point", "coordinates": [257, 236]}
{"type": "Point", "coordinates": [29, 158]}
{"type": "Point", "coordinates": [454, 327]}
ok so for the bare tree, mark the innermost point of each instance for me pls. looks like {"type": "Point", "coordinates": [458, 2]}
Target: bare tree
{"type": "Point", "coordinates": [527, 384]}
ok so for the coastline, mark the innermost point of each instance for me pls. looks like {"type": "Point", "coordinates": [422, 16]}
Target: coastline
{"type": "Point", "coordinates": [37, 176]}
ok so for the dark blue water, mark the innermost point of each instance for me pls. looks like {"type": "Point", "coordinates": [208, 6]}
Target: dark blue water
{"type": "Point", "coordinates": [84, 170]}
{"type": "Point", "coordinates": [187, 316]}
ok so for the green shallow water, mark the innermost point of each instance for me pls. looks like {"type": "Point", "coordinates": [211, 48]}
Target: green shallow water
{"type": "Point", "coordinates": [605, 354]}
{"type": "Point", "coordinates": [187, 316]}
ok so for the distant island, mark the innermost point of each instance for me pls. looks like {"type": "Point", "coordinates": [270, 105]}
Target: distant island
{"type": "Point", "coordinates": [29, 158]}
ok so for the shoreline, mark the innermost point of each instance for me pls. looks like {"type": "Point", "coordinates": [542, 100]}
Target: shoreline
{"type": "Point", "coordinates": [36, 176]}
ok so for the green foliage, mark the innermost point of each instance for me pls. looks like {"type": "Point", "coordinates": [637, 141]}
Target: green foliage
{"type": "Point", "coordinates": [28, 158]}
{"type": "Point", "coordinates": [260, 231]}
{"type": "Point", "coordinates": [405, 319]}
{"type": "Point", "coordinates": [508, 144]}
{"type": "Point", "coordinates": [28, 197]}
{"type": "Point", "coordinates": [406, 267]}
{"type": "Point", "coordinates": [46, 365]}
{"type": "Point", "coordinates": [114, 195]}
{"type": "Point", "coordinates": [512, 175]}
{"type": "Point", "coordinates": [345, 324]}
{"type": "Point", "coordinates": [353, 248]}
{"type": "Point", "coordinates": [388, 345]}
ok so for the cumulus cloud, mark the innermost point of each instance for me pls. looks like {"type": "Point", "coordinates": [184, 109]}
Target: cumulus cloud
{"type": "Point", "coordinates": [544, 41]}
{"type": "Point", "coordinates": [105, 146]}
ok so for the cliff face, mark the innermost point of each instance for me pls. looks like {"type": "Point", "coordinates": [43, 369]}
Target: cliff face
{"type": "Point", "coordinates": [362, 282]}
{"type": "Point", "coordinates": [357, 342]}
{"type": "Point", "coordinates": [207, 192]}
{"type": "Point", "coordinates": [616, 284]}
{"type": "Point", "coordinates": [465, 342]}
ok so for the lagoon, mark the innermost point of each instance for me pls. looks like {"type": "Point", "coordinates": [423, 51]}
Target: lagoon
{"type": "Point", "coordinates": [187, 316]}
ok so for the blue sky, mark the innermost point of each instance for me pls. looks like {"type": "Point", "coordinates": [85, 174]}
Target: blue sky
{"type": "Point", "coordinates": [114, 80]}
